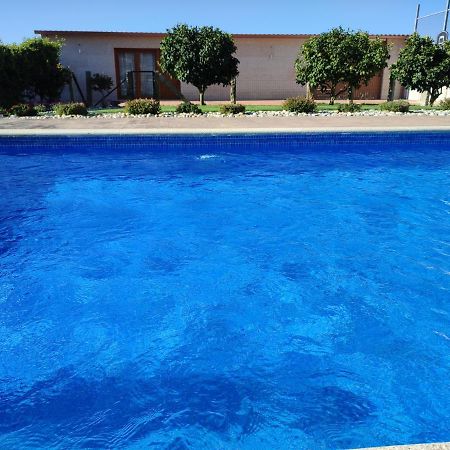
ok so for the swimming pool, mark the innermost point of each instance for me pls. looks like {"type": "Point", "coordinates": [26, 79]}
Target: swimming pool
{"type": "Point", "coordinates": [274, 291]}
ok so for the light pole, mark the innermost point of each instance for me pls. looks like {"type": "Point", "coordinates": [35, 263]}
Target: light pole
{"type": "Point", "coordinates": [445, 12]}
{"type": "Point", "coordinates": [446, 16]}
{"type": "Point", "coordinates": [416, 22]}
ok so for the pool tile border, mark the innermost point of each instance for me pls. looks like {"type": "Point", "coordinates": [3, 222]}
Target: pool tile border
{"type": "Point", "coordinates": [212, 131]}
{"type": "Point", "coordinates": [107, 141]}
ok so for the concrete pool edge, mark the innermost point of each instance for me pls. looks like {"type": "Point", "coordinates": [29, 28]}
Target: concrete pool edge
{"type": "Point", "coordinates": [437, 446]}
{"type": "Point", "coordinates": [212, 131]}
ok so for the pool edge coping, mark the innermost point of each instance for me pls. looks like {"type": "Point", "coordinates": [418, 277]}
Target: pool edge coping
{"type": "Point", "coordinates": [240, 131]}
{"type": "Point", "coordinates": [211, 131]}
{"type": "Point", "coordinates": [434, 446]}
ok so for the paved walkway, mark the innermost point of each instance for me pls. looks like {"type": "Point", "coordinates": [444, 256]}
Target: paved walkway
{"type": "Point", "coordinates": [222, 124]}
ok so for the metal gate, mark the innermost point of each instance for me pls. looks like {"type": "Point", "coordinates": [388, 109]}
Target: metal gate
{"type": "Point", "coordinates": [141, 84]}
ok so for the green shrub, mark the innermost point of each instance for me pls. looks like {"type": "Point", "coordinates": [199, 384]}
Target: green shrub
{"type": "Point", "coordinates": [40, 69]}
{"type": "Point", "coordinates": [41, 108]}
{"type": "Point", "coordinates": [444, 104]}
{"type": "Point", "coordinates": [300, 105]}
{"type": "Point", "coordinates": [141, 106]}
{"type": "Point", "coordinates": [70, 109]}
{"type": "Point", "coordinates": [231, 108]}
{"type": "Point", "coordinates": [101, 82]}
{"type": "Point", "coordinates": [348, 108]}
{"type": "Point", "coordinates": [3, 111]}
{"type": "Point", "coordinates": [31, 70]}
{"type": "Point", "coordinates": [23, 110]}
{"type": "Point", "coordinates": [11, 85]}
{"type": "Point", "coordinates": [395, 106]}
{"type": "Point", "coordinates": [188, 108]}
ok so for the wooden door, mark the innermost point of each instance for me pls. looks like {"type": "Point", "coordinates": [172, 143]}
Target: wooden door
{"type": "Point", "coordinates": [370, 92]}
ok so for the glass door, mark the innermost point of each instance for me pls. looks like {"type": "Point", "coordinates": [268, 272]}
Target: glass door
{"type": "Point", "coordinates": [135, 67]}
{"type": "Point", "coordinates": [126, 63]}
{"type": "Point", "coordinates": [147, 63]}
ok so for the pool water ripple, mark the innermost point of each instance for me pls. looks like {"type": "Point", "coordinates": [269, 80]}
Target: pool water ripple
{"type": "Point", "coordinates": [290, 298]}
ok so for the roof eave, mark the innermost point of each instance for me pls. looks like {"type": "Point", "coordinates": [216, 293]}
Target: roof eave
{"type": "Point", "coordinates": [62, 33]}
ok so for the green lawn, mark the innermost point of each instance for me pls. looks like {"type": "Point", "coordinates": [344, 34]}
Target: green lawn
{"type": "Point", "coordinates": [215, 108]}
{"type": "Point", "coordinates": [206, 108]}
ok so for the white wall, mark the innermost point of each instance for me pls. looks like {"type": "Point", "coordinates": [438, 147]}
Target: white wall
{"type": "Point", "coordinates": [415, 96]}
{"type": "Point", "coordinates": [395, 47]}
{"type": "Point", "coordinates": [266, 71]}
{"type": "Point", "coordinates": [266, 64]}
{"type": "Point", "coordinates": [96, 54]}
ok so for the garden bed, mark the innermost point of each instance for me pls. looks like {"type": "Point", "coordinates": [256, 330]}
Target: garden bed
{"type": "Point", "coordinates": [119, 114]}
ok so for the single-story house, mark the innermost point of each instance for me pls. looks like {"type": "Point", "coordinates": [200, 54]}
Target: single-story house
{"type": "Point", "coordinates": [266, 65]}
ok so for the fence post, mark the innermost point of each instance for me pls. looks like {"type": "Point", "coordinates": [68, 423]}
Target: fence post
{"type": "Point", "coordinates": [156, 88]}
{"type": "Point", "coordinates": [130, 85]}
{"type": "Point", "coordinates": [88, 88]}
{"type": "Point", "coordinates": [74, 78]}
{"type": "Point", "coordinates": [71, 93]}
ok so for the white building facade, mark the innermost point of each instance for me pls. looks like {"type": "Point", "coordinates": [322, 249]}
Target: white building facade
{"type": "Point", "coordinates": [266, 69]}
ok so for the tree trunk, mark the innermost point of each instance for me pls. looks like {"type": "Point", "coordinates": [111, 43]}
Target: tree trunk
{"type": "Point", "coordinates": [350, 95]}
{"type": "Point", "coordinates": [202, 97]}
{"type": "Point", "coordinates": [233, 91]}
{"type": "Point", "coordinates": [332, 95]}
{"type": "Point", "coordinates": [309, 94]}
{"type": "Point", "coordinates": [391, 88]}
{"type": "Point", "coordinates": [433, 97]}
{"type": "Point", "coordinates": [103, 100]}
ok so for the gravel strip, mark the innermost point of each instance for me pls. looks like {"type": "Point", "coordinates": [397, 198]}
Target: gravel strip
{"type": "Point", "coordinates": [373, 113]}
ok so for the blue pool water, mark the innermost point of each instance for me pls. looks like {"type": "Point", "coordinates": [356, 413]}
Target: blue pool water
{"type": "Point", "coordinates": [254, 294]}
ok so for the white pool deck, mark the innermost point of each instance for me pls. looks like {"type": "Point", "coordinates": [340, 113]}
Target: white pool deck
{"type": "Point", "coordinates": [216, 125]}
{"type": "Point", "coordinates": [440, 446]}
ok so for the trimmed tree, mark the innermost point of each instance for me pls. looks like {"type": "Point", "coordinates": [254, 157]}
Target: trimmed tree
{"type": "Point", "coordinates": [340, 60]}
{"type": "Point", "coordinates": [41, 72]}
{"type": "Point", "coordinates": [100, 83]}
{"type": "Point", "coordinates": [201, 56]}
{"type": "Point", "coordinates": [366, 58]}
{"type": "Point", "coordinates": [11, 86]}
{"type": "Point", "coordinates": [423, 66]}
{"type": "Point", "coordinates": [31, 69]}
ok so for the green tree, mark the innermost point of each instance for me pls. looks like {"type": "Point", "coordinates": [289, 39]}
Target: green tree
{"type": "Point", "coordinates": [11, 86]}
{"type": "Point", "coordinates": [423, 66]}
{"type": "Point", "coordinates": [101, 83]}
{"type": "Point", "coordinates": [201, 56]}
{"type": "Point", "coordinates": [41, 72]}
{"type": "Point", "coordinates": [340, 60]}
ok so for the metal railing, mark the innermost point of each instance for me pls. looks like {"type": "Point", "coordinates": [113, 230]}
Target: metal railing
{"type": "Point", "coordinates": [133, 86]}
